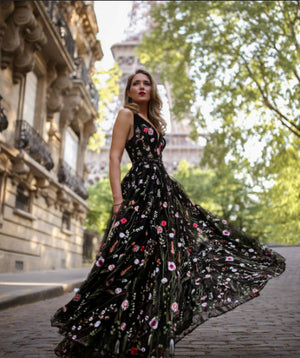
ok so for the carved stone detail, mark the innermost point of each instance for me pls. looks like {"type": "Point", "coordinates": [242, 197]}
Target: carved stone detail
{"type": "Point", "coordinates": [6, 8]}
{"type": "Point", "coordinates": [56, 91]}
{"type": "Point", "coordinates": [23, 36]}
{"type": "Point", "coordinates": [49, 195]}
{"type": "Point", "coordinates": [5, 163]}
{"type": "Point", "coordinates": [72, 103]}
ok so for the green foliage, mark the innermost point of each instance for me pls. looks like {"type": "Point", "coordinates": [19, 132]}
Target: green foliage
{"type": "Point", "coordinates": [280, 218]}
{"type": "Point", "coordinates": [106, 83]}
{"type": "Point", "coordinates": [221, 193]}
{"type": "Point", "coordinates": [100, 203]}
{"type": "Point", "coordinates": [234, 65]}
{"type": "Point", "coordinates": [238, 55]}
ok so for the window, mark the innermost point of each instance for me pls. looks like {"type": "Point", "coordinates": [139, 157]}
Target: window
{"type": "Point", "coordinates": [66, 221]}
{"type": "Point", "coordinates": [22, 199]}
{"type": "Point", "coordinates": [30, 98]}
{"type": "Point", "coordinates": [71, 148]}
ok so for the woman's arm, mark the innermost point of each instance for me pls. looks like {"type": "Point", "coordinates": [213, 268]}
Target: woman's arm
{"type": "Point", "coordinates": [121, 132]}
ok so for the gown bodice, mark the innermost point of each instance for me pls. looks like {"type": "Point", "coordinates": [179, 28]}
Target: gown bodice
{"type": "Point", "coordinates": [146, 144]}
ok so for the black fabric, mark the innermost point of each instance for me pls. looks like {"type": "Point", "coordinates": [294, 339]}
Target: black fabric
{"type": "Point", "coordinates": [166, 266]}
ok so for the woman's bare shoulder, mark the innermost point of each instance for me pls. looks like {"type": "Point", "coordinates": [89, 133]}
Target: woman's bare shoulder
{"type": "Point", "coordinates": [125, 112]}
{"type": "Point", "coordinates": [125, 117]}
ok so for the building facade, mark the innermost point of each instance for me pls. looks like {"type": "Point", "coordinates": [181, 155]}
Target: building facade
{"type": "Point", "coordinates": [48, 109]}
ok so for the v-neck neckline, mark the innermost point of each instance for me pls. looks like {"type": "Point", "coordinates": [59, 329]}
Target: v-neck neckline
{"type": "Point", "coordinates": [151, 125]}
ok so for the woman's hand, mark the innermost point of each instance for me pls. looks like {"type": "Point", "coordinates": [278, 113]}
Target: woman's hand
{"type": "Point", "coordinates": [116, 208]}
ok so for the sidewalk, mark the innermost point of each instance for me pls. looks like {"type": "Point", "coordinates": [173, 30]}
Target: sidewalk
{"type": "Point", "coordinates": [27, 287]}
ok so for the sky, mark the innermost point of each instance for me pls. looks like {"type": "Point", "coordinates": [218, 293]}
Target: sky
{"type": "Point", "coordinates": [113, 19]}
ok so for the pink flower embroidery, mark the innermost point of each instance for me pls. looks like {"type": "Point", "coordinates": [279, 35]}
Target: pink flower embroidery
{"type": "Point", "coordinates": [159, 230]}
{"type": "Point", "coordinates": [163, 223]}
{"type": "Point", "coordinates": [123, 220]}
{"type": "Point", "coordinates": [174, 307]}
{"type": "Point", "coordinates": [135, 248]}
{"type": "Point", "coordinates": [197, 281]}
{"type": "Point", "coordinates": [226, 233]}
{"type": "Point", "coordinates": [123, 326]}
{"type": "Point", "coordinates": [153, 323]}
{"type": "Point", "coordinates": [195, 225]}
{"type": "Point", "coordinates": [111, 267]}
{"type": "Point", "coordinates": [118, 290]}
{"type": "Point", "coordinates": [150, 131]}
{"type": "Point", "coordinates": [125, 305]}
{"type": "Point", "coordinates": [145, 130]}
{"type": "Point", "coordinates": [100, 261]}
{"type": "Point", "coordinates": [165, 204]}
{"type": "Point", "coordinates": [171, 266]}
{"type": "Point", "coordinates": [229, 258]}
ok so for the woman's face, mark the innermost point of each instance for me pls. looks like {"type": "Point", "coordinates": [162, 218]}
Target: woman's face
{"type": "Point", "coordinates": [140, 89]}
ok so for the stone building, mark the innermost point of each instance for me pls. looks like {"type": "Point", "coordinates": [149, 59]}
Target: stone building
{"type": "Point", "coordinates": [48, 51]}
{"type": "Point", "coordinates": [179, 144]}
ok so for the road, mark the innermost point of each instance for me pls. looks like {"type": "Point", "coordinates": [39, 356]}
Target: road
{"type": "Point", "coordinates": [268, 326]}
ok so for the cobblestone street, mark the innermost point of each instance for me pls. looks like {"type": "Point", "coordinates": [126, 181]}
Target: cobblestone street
{"type": "Point", "coordinates": [268, 326]}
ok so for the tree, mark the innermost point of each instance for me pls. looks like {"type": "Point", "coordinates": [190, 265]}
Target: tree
{"type": "Point", "coordinates": [234, 69]}
{"type": "Point", "coordinates": [238, 55]}
{"type": "Point", "coordinates": [106, 82]}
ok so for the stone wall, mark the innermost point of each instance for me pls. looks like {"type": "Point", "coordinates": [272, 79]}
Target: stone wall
{"type": "Point", "coordinates": [48, 51]}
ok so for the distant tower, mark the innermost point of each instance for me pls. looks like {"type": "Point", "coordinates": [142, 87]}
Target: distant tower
{"type": "Point", "coordinates": [179, 145]}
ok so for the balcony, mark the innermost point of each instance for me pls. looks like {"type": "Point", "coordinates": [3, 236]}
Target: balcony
{"type": "Point", "coordinates": [61, 25]}
{"type": "Point", "coordinates": [67, 176]}
{"type": "Point", "coordinates": [82, 73]}
{"type": "Point", "coordinates": [31, 141]}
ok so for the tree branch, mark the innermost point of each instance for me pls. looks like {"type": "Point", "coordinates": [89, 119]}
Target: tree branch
{"type": "Point", "coordinates": [282, 118]}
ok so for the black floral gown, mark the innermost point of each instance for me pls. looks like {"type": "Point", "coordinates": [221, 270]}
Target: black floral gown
{"type": "Point", "coordinates": [166, 266]}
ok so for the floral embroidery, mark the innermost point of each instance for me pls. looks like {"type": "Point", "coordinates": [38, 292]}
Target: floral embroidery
{"type": "Point", "coordinates": [100, 262]}
{"type": "Point", "coordinates": [174, 307]}
{"type": "Point", "coordinates": [171, 266]}
{"type": "Point", "coordinates": [125, 305]}
{"type": "Point", "coordinates": [153, 323]}
{"type": "Point", "coordinates": [164, 251]}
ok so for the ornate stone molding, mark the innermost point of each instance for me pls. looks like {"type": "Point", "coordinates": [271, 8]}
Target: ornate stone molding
{"type": "Point", "coordinates": [22, 37]}
{"type": "Point", "coordinates": [72, 103]}
{"type": "Point", "coordinates": [5, 163]}
{"type": "Point", "coordinates": [6, 8]}
{"type": "Point", "coordinates": [56, 90]}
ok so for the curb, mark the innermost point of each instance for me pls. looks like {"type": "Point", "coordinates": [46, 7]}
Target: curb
{"type": "Point", "coordinates": [40, 295]}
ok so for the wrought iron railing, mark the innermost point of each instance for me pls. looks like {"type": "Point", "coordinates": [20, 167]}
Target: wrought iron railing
{"type": "Point", "coordinates": [83, 74]}
{"type": "Point", "coordinates": [66, 175]}
{"type": "Point", "coordinates": [61, 25]}
{"type": "Point", "coordinates": [31, 141]}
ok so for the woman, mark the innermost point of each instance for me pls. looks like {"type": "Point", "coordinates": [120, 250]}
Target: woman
{"type": "Point", "coordinates": [166, 264]}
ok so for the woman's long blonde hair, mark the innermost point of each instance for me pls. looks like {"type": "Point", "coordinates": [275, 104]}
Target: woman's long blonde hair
{"type": "Point", "coordinates": [154, 105]}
